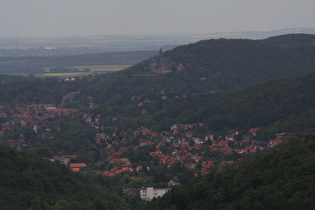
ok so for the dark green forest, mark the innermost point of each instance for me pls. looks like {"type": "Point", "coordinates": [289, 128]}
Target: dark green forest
{"type": "Point", "coordinates": [28, 181]}
{"type": "Point", "coordinates": [280, 179]}
{"type": "Point", "coordinates": [226, 64]}
{"type": "Point", "coordinates": [32, 90]}
{"type": "Point", "coordinates": [276, 106]}
{"type": "Point", "coordinates": [230, 64]}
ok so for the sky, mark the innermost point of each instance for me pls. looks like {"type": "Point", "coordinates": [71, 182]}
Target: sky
{"type": "Point", "coordinates": [149, 17]}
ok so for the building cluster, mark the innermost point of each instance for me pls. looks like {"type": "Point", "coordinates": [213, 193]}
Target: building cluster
{"type": "Point", "coordinates": [160, 65]}
{"type": "Point", "coordinates": [29, 115]}
{"type": "Point", "coordinates": [180, 143]}
{"type": "Point", "coordinates": [177, 145]}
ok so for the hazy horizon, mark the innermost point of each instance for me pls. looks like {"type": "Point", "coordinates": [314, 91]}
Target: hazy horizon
{"type": "Point", "coordinates": [218, 34]}
{"type": "Point", "coordinates": [110, 43]}
{"type": "Point", "coordinates": [37, 18]}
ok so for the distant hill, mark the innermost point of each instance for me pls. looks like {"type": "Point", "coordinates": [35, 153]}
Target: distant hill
{"type": "Point", "coordinates": [301, 43]}
{"type": "Point", "coordinates": [280, 179]}
{"type": "Point", "coordinates": [219, 65]}
{"type": "Point", "coordinates": [224, 66]}
{"type": "Point", "coordinates": [291, 40]}
{"type": "Point", "coordinates": [232, 63]}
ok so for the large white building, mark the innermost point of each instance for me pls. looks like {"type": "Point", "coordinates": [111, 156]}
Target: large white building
{"type": "Point", "coordinates": [149, 193]}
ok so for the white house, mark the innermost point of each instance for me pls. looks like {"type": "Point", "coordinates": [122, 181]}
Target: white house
{"type": "Point", "coordinates": [149, 193]}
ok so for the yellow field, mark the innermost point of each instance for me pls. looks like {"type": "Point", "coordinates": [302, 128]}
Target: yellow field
{"type": "Point", "coordinates": [101, 68]}
{"type": "Point", "coordinates": [93, 69]}
{"type": "Point", "coordinates": [66, 74]}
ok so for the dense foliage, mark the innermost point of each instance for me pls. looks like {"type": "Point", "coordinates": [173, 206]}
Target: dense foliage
{"type": "Point", "coordinates": [278, 106]}
{"type": "Point", "coordinates": [280, 179]}
{"type": "Point", "coordinates": [285, 105]}
{"type": "Point", "coordinates": [30, 90]}
{"type": "Point", "coordinates": [229, 64]}
{"type": "Point", "coordinates": [226, 64]}
{"type": "Point", "coordinates": [70, 136]}
{"type": "Point", "coordinates": [27, 181]}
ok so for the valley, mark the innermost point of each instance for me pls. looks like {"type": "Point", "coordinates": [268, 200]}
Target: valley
{"type": "Point", "coordinates": [192, 113]}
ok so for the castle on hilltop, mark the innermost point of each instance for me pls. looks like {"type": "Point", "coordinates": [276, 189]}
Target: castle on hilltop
{"type": "Point", "coordinates": [160, 65]}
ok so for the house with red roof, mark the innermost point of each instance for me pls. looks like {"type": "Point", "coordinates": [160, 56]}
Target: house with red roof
{"type": "Point", "coordinates": [139, 168]}
{"type": "Point", "coordinates": [228, 162]}
{"type": "Point", "coordinates": [196, 158]}
{"type": "Point", "coordinates": [77, 166]}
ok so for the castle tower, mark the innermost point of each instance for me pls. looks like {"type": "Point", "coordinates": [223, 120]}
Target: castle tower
{"type": "Point", "coordinates": [161, 53]}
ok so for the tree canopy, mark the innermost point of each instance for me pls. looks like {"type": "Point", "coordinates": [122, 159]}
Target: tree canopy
{"type": "Point", "coordinates": [28, 181]}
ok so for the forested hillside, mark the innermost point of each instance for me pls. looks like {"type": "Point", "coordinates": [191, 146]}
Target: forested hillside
{"type": "Point", "coordinates": [230, 64]}
{"type": "Point", "coordinates": [224, 64]}
{"type": "Point", "coordinates": [301, 43]}
{"type": "Point", "coordinates": [28, 181]}
{"type": "Point", "coordinates": [285, 105]}
{"type": "Point", "coordinates": [280, 179]}
{"type": "Point", "coordinates": [17, 90]}
{"type": "Point", "coordinates": [278, 106]}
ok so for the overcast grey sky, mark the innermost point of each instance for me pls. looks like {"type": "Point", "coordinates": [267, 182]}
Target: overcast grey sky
{"type": "Point", "coordinates": [103, 17]}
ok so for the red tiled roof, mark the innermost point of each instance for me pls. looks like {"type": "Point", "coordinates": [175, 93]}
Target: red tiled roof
{"type": "Point", "coordinates": [78, 165]}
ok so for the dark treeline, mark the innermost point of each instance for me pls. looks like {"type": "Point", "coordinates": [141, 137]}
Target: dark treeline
{"type": "Point", "coordinates": [31, 90]}
{"type": "Point", "coordinates": [27, 181]}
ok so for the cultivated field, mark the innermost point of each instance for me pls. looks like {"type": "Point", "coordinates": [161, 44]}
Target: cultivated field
{"type": "Point", "coordinates": [102, 68]}
{"type": "Point", "coordinates": [85, 70]}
